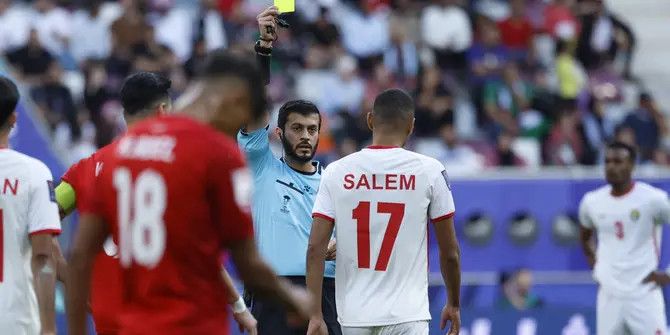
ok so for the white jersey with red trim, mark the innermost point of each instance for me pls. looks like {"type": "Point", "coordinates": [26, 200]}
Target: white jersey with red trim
{"type": "Point", "coordinates": [381, 199]}
{"type": "Point", "coordinates": [27, 207]}
{"type": "Point", "coordinates": [628, 233]}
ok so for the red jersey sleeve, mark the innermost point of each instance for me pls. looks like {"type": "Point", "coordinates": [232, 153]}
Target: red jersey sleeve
{"type": "Point", "coordinates": [230, 194]}
{"type": "Point", "coordinates": [75, 175]}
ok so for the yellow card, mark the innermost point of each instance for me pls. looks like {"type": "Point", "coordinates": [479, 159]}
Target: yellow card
{"type": "Point", "coordinates": [285, 6]}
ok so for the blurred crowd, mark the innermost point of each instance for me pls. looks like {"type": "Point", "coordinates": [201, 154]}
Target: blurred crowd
{"type": "Point", "coordinates": [496, 82]}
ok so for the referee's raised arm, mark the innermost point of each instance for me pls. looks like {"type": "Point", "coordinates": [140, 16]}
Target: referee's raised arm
{"type": "Point", "coordinates": [267, 27]}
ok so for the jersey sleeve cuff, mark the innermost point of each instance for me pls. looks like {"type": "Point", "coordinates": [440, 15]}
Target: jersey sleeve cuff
{"type": "Point", "coordinates": [323, 216]}
{"type": "Point", "coordinates": [443, 217]}
{"type": "Point", "coordinates": [46, 231]}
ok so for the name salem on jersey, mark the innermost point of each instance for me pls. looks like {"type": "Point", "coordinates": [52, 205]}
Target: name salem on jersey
{"type": "Point", "coordinates": [400, 182]}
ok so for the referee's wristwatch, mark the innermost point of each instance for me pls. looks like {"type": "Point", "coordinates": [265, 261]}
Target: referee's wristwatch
{"type": "Point", "coordinates": [265, 51]}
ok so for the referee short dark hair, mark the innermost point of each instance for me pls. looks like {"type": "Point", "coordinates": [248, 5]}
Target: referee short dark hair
{"type": "Point", "coordinates": [632, 153]}
{"type": "Point", "coordinates": [9, 98]}
{"type": "Point", "coordinates": [143, 91]}
{"type": "Point", "coordinates": [302, 107]}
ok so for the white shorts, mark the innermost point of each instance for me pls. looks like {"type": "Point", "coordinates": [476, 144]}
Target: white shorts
{"type": "Point", "coordinates": [639, 315]}
{"type": "Point", "coordinates": [407, 328]}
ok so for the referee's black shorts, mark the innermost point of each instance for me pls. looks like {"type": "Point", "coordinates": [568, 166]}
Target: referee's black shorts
{"type": "Point", "coordinates": [271, 317]}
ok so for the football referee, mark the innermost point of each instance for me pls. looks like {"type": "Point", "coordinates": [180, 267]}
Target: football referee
{"type": "Point", "coordinates": [285, 189]}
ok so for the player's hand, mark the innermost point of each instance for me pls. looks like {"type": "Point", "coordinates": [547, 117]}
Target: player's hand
{"type": "Point", "coordinates": [246, 322]}
{"type": "Point", "coordinates": [453, 314]}
{"type": "Point", "coordinates": [301, 308]}
{"type": "Point", "coordinates": [317, 327]}
{"type": "Point", "coordinates": [48, 332]}
{"type": "Point", "coordinates": [267, 25]}
{"type": "Point", "coordinates": [332, 250]}
{"type": "Point", "coordinates": [657, 277]}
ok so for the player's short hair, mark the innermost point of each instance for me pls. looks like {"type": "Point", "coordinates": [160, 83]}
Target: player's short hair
{"type": "Point", "coordinates": [9, 98]}
{"type": "Point", "coordinates": [632, 153]}
{"type": "Point", "coordinates": [221, 63]}
{"type": "Point", "coordinates": [143, 90]}
{"type": "Point", "coordinates": [302, 107]}
{"type": "Point", "coordinates": [393, 105]}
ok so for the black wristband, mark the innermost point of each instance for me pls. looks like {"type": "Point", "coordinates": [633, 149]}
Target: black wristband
{"type": "Point", "coordinates": [262, 50]}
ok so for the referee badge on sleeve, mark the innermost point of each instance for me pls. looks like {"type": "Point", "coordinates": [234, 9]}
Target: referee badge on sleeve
{"type": "Point", "coordinates": [446, 179]}
{"type": "Point", "coordinates": [52, 192]}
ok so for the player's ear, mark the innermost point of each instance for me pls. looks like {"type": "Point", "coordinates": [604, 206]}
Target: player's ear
{"type": "Point", "coordinates": [411, 127]}
{"type": "Point", "coordinates": [279, 133]}
{"type": "Point", "coordinates": [370, 120]}
{"type": "Point", "coordinates": [11, 121]}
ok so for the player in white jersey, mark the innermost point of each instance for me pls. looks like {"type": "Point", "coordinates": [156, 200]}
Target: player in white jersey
{"type": "Point", "coordinates": [379, 200]}
{"type": "Point", "coordinates": [28, 220]}
{"type": "Point", "coordinates": [626, 218]}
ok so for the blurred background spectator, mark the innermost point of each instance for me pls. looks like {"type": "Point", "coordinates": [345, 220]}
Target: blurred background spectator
{"type": "Point", "coordinates": [520, 83]}
{"type": "Point", "coordinates": [517, 292]}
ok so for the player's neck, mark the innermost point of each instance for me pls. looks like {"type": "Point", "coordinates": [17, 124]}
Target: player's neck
{"type": "Point", "coordinates": [301, 166]}
{"type": "Point", "coordinates": [622, 188]}
{"type": "Point", "coordinates": [4, 140]}
{"type": "Point", "coordinates": [387, 141]}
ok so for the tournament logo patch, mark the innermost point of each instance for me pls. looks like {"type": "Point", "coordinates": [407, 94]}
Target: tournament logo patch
{"type": "Point", "coordinates": [634, 215]}
{"type": "Point", "coordinates": [52, 192]}
{"type": "Point", "coordinates": [446, 179]}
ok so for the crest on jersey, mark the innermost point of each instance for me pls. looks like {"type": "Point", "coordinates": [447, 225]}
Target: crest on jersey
{"type": "Point", "coordinates": [634, 215]}
{"type": "Point", "coordinates": [446, 179]}
{"type": "Point", "coordinates": [52, 192]}
{"type": "Point", "coordinates": [284, 208]}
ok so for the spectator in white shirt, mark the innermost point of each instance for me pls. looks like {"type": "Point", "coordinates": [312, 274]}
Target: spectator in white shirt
{"type": "Point", "coordinates": [91, 34]}
{"type": "Point", "coordinates": [53, 25]}
{"type": "Point", "coordinates": [346, 92]}
{"type": "Point", "coordinates": [14, 26]}
{"type": "Point", "coordinates": [210, 26]}
{"type": "Point", "coordinates": [365, 32]}
{"type": "Point", "coordinates": [445, 28]}
{"type": "Point", "coordinates": [173, 27]}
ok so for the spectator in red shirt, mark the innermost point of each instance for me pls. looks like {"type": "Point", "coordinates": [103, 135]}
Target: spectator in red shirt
{"type": "Point", "coordinates": [516, 31]}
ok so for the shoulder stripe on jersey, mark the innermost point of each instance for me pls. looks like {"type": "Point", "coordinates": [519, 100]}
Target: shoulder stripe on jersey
{"type": "Point", "coordinates": [443, 217]}
{"type": "Point", "coordinates": [290, 185]}
{"type": "Point", "coordinates": [46, 231]}
{"type": "Point", "coordinates": [322, 216]}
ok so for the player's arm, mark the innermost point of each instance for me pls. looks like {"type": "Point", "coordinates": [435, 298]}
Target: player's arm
{"type": "Point", "coordinates": [450, 266]}
{"type": "Point", "coordinates": [262, 281]}
{"type": "Point", "coordinates": [268, 33]}
{"type": "Point", "coordinates": [319, 237]}
{"type": "Point", "coordinates": [587, 233]}
{"type": "Point", "coordinates": [44, 279]}
{"type": "Point", "coordinates": [88, 241]}
{"type": "Point", "coordinates": [441, 211]}
{"type": "Point", "coordinates": [246, 321]}
{"type": "Point", "coordinates": [43, 224]}
{"type": "Point", "coordinates": [662, 206]}
{"type": "Point", "coordinates": [66, 201]}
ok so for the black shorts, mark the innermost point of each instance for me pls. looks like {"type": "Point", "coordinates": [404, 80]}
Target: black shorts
{"type": "Point", "coordinates": [271, 317]}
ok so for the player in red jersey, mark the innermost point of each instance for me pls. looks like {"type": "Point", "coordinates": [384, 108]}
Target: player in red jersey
{"type": "Point", "coordinates": [174, 193]}
{"type": "Point", "coordinates": [148, 92]}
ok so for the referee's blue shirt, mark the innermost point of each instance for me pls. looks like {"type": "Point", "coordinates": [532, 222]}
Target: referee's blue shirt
{"type": "Point", "coordinates": [282, 206]}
